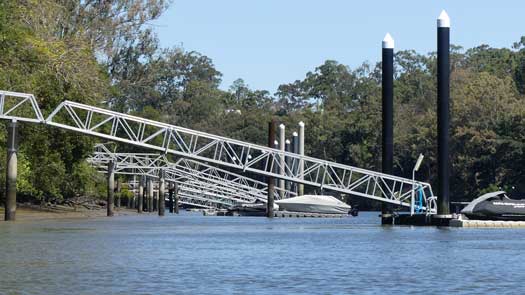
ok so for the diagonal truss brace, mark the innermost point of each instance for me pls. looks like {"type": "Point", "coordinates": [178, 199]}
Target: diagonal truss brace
{"type": "Point", "coordinates": [183, 170]}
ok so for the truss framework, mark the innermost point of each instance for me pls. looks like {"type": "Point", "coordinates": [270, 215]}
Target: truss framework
{"type": "Point", "coordinates": [219, 150]}
{"type": "Point", "coordinates": [194, 184]}
{"type": "Point", "coordinates": [184, 170]}
{"type": "Point", "coordinates": [192, 191]}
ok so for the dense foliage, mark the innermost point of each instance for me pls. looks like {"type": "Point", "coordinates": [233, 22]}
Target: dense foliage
{"type": "Point", "coordinates": [104, 53]}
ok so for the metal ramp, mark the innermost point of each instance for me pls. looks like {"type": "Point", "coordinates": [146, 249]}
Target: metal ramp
{"type": "Point", "coordinates": [193, 177]}
{"type": "Point", "coordinates": [219, 150]}
{"type": "Point", "coordinates": [195, 192]}
{"type": "Point", "coordinates": [184, 170]}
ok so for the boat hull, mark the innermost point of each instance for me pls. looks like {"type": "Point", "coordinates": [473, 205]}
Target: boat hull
{"type": "Point", "coordinates": [314, 208]}
{"type": "Point", "coordinates": [504, 217]}
{"type": "Point", "coordinates": [314, 204]}
{"type": "Point", "coordinates": [495, 206]}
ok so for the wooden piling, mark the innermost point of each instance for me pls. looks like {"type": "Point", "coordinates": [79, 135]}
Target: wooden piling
{"type": "Point", "coordinates": [270, 179]}
{"type": "Point", "coordinates": [140, 195]}
{"type": "Point", "coordinates": [111, 188]}
{"type": "Point", "coordinates": [176, 198]}
{"type": "Point", "coordinates": [161, 202]}
{"type": "Point", "coordinates": [155, 198]}
{"type": "Point", "coordinates": [150, 195]}
{"type": "Point", "coordinates": [170, 194]}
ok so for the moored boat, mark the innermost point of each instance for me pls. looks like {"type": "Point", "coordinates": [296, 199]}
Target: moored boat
{"type": "Point", "coordinates": [314, 204]}
{"type": "Point", "coordinates": [495, 206]}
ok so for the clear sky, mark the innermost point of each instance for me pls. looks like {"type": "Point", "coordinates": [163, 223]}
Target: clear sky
{"type": "Point", "coordinates": [271, 42]}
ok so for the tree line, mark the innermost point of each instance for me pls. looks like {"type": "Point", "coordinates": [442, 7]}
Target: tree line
{"type": "Point", "coordinates": [105, 53]}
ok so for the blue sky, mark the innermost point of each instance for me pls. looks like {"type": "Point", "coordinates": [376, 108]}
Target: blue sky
{"type": "Point", "coordinates": [271, 42]}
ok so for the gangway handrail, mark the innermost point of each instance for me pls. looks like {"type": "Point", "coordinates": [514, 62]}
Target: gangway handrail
{"type": "Point", "coordinates": [155, 160]}
{"type": "Point", "coordinates": [222, 187]}
{"type": "Point", "coordinates": [203, 188]}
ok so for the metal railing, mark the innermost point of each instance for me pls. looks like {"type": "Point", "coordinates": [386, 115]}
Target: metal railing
{"type": "Point", "coordinates": [183, 170]}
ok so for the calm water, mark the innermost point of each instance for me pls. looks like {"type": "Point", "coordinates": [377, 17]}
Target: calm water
{"type": "Point", "coordinates": [193, 254]}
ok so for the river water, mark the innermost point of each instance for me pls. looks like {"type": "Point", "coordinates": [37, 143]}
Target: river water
{"type": "Point", "coordinates": [194, 254]}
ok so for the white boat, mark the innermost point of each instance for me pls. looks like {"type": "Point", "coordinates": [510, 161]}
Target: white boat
{"type": "Point", "coordinates": [314, 204]}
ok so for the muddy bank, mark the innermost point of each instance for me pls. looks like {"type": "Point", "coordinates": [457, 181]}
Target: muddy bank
{"type": "Point", "coordinates": [26, 212]}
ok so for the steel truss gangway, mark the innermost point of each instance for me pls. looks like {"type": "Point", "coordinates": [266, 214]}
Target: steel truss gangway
{"type": "Point", "coordinates": [211, 182]}
{"type": "Point", "coordinates": [219, 150]}
{"type": "Point", "coordinates": [195, 192]}
{"type": "Point", "coordinates": [243, 188]}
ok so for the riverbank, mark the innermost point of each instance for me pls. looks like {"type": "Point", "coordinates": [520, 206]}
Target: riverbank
{"type": "Point", "coordinates": [33, 213]}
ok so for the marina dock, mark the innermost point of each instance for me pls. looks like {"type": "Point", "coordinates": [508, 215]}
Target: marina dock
{"type": "Point", "coordinates": [281, 214]}
{"type": "Point", "coordinates": [305, 214]}
{"type": "Point", "coordinates": [486, 223]}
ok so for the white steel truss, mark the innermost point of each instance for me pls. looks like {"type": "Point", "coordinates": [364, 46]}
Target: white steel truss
{"type": "Point", "coordinates": [185, 170]}
{"type": "Point", "coordinates": [219, 150]}
{"type": "Point", "coordinates": [194, 191]}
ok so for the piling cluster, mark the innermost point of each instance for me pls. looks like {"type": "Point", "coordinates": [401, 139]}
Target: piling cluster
{"type": "Point", "coordinates": [443, 113]}
{"type": "Point", "coordinates": [295, 145]}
